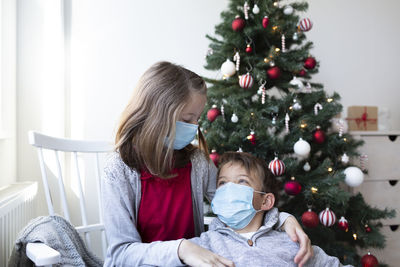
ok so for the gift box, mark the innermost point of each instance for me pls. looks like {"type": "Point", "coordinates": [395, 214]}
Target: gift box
{"type": "Point", "coordinates": [362, 118]}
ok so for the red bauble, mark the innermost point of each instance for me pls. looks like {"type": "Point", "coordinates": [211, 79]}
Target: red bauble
{"type": "Point", "coordinates": [343, 224]}
{"type": "Point", "coordinates": [369, 260]}
{"type": "Point", "coordinates": [274, 73]}
{"type": "Point", "coordinates": [238, 24]}
{"type": "Point", "coordinates": [319, 136]}
{"type": "Point", "coordinates": [327, 217]}
{"type": "Point", "coordinates": [249, 49]}
{"type": "Point", "coordinates": [310, 63]}
{"type": "Point", "coordinates": [302, 73]}
{"type": "Point", "coordinates": [292, 187]}
{"type": "Point", "coordinates": [214, 156]}
{"type": "Point", "coordinates": [367, 228]}
{"type": "Point", "coordinates": [213, 113]}
{"type": "Point", "coordinates": [252, 138]}
{"type": "Point", "coordinates": [265, 22]}
{"type": "Point", "coordinates": [310, 219]}
{"type": "Point", "coordinates": [277, 167]}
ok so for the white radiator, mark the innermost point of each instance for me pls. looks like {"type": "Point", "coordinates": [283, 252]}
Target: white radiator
{"type": "Point", "coordinates": [17, 208]}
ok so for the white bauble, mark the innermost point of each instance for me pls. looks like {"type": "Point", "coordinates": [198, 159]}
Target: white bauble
{"type": "Point", "coordinates": [307, 167]}
{"type": "Point", "coordinates": [234, 118]}
{"type": "Point", "coordinates": [296, 82]}
{"type": "Point", "coordinates": [354, 176]}
{"type": "Point", "coordinates": [256, 9]}
{"type": "Point", "coordinates": [228, 68]}
{"type": "Point", "coordinates": [302, 148]}
{"type": "Point", "coordinates": [288, 10]}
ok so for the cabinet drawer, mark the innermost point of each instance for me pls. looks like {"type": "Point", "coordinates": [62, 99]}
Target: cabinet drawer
{"type": "Point", "coordinates": [390, 254]}
{"type": "Point", "coordinates": [383, 157]}
{"type": "Point", "coordinates": [382, 194]}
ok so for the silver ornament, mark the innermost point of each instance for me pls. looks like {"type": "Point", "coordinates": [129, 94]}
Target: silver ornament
{"type": "Point", "coordinates": [256, 9]}
{"type": "Point", "coordinates": [255, 98]}
{"type": "Point", "coordinates": [234, 118]}
{"type": "Point", "coordinates": [288, 10]}
{"type": "Point", "coordinates": [345, 158]}
{"type": "Point", "coordinates": [307, 167]}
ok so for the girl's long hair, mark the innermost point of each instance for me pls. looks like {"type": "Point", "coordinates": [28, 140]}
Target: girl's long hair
{"type": "Point", "coordinates": [150, 116]}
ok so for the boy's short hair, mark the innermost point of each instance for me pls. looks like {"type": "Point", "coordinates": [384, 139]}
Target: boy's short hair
{"type": "Point", "coordinates": [254, 167]}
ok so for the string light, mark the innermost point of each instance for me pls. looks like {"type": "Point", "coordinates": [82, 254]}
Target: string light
{"type": "Point", "coordinates": [329, 100]}
{"type": "Point", "coordinates": [330, 169]}
{"type": "Point", "coordinates": [345, 139]}
{"type": "Point", "coordinates": [290, 108]}
{"type": "Point", "coordinates": [277, 49]}
{"type": "Point", "coordinates": [275, 4]}
{"type": "Point", "coordinates": [274, 28]}
{"type": "Point", "coordinates": [303, 125]}
{"type": "Point", "coordinates": [314, 190]}
{"type": "Point", "coordinates": [355, 236]}
{"type": "Point", "coordinates": [266, 60]}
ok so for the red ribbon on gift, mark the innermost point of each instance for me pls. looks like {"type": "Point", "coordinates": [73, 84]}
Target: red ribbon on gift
{"type": "Point", "coordinates": [363, 119]}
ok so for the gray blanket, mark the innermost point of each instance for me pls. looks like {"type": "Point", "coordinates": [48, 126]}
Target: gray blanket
{"type": "Point", "coordinates": [57, 233]}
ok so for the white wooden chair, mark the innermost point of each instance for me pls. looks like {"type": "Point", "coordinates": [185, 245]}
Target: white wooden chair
{"type": "Point", "coordinates": [39, 253]}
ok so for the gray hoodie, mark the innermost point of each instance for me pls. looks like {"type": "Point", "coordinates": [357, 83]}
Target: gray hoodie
{"type": "Point", "coordinates": [267, 247]}
{"type": "Point", "coordinates": [121, 195]}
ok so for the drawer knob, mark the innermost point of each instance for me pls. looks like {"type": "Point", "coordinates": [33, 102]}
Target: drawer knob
{"type": "Point", "coordinates": [394, 227]}
{"type": "Point", "coordinates": [393, 182]}
{"type": "Point", "coordinates": [392, 137]}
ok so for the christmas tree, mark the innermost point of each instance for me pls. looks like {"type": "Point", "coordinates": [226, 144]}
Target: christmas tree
{"type": "Point", "coordinates": [265, 103]}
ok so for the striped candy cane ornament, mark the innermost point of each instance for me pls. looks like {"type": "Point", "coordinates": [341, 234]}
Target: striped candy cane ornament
{"type": "Point", "coordinates": [363, 161]}
{"type": "Point", "coordinates": [246, 9]}
{"type": "Point", "coordinates": [283, 44]}
{"type": "Point", "coordinates": [327, 217]}
{"type": "Point", "coordinates": [236, 58]}
{"type": "Point", "coordinates": [317, 107]}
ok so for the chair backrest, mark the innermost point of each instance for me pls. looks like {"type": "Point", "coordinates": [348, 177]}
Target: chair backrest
{"type": "Point", "coordinates": [76, 147]}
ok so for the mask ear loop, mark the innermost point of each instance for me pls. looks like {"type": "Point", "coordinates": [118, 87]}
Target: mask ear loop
{"type": "Point", "coordinates": [259, 193]}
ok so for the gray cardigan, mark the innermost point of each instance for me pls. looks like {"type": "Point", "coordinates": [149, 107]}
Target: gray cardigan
{"type": "Point", "coordinates": [121, 193]}
{"type": "Point", "coordinates": [266, 247]}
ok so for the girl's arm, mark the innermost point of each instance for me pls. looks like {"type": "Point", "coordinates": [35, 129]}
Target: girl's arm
{"type": "Point", "coordinates": [125, 244]}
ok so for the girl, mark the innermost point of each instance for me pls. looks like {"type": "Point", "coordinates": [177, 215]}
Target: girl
{"type": "Point", "coordinates": [154, 184]}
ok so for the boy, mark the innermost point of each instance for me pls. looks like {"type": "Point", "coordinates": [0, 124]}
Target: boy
{"type": "Point", "coordinates": [244, 203]}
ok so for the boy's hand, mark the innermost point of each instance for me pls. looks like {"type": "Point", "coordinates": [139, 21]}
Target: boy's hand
{"type": "Point", "coordinates": [296, 233]}
{"type": "Point", "coordinates": [194, 255]}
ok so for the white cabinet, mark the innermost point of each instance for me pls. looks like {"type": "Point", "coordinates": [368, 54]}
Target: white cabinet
{"type": "Point", "coordinates": [381, 187]}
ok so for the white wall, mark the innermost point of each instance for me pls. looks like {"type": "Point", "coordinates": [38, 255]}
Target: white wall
{"type": "Point", "coordinates": [8, 165]}
{"type": "Point", "coordinates": [357, 43]}
{"type": "Point", "coordinates": [113, 42]}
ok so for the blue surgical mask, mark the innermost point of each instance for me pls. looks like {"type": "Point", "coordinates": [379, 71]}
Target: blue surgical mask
{"type": "Point", "coordinates": [184, 134]}
{"type": "Point", "coordinates": [233, 204]}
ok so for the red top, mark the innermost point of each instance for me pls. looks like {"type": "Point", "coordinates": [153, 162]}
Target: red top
{"type": "Point", "coordinates": [166, 210]}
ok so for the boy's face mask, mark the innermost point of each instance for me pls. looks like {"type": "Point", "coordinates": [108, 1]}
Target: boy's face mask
{"type": "Point", "coordinates": [184, 134]}
{"type": "Point", "coordinates": [233, 204]}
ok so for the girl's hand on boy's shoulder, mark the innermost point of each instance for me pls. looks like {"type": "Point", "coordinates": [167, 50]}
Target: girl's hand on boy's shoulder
{"type": "Point", "coordinates": [296, 233]}
{"type": "Point", "coordinates": [194, 255]}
